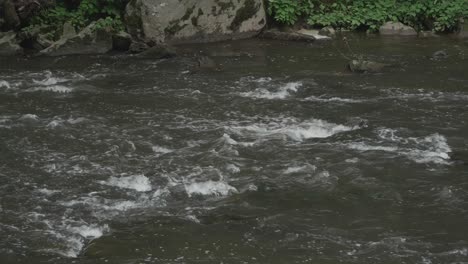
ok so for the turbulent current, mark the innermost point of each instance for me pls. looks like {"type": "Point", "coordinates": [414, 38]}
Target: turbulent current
{"type": "Point", "coordinates": [281, 157]}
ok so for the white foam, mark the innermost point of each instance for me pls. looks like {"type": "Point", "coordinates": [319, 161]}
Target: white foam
{"type": "Point", "coordinates": [139, 183]}
{"type": "Point", "coordinates": [53, 88]}
{"type": "Point", "coordinates": [209, 188]}
{"type": "Point", "coordinates": [29, 118]}
{"type": "Point", "coordinates": [297, 169]}
{"type": "Point", "coordinates": [5, 84]}
{"type": "Point", "coordinates": [281, 93]}
{"type": "Point", "coordinates": [314, 128]}
{"type": "Point", "coordinates": [90, 232]}
{"type": "Point", "coordinates": [232, 168]}
{"type": "Point", "coordinates": [158, 149]}
{"type": "Point", "coordinates": [47, 192]}
{"type": "Point", "coordinates": [430, 149]}
{"type": "Point", "coordinates": [332, 99]}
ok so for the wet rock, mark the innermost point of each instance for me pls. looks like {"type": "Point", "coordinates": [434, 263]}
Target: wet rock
{"type": "Point", "coordinates": [137, 47]}
{"type": "Point", "coordinates": [88, 41]}
{"type": "Point", "coordinates": [121, 41]}
{"type": "Point", "coordinates": [327, 31]}
{"type": "Point", "coordinates": [427, 34]}
{"type": "Point", "coordinates": [193, 21]}
{"type": "Point", "coordinates": [440, 55]}
{"type": "Point", "coordinates": [9, 44]}
{"type": "Point", "coordinates": [363, 66]}
{"type": "Point", "coordinates": [158, 52]}
{"type": "Point", "coordinates": [397, 29]}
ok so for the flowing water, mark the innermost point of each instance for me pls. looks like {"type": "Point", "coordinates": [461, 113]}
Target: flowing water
{"type": "Point", "coordinates": [280, 157]}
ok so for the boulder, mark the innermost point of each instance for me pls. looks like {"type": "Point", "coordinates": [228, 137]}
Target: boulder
{"type": "Point", "coordinates": [194, 21]}
{"type": "Point", "coordinates": [12, 20]}
{"type": "Point", "coordinates": [121, 41]}
{"type": "Point", "coordinates": [9, 45]}
{"type": "Point", "coordinates": [88, 41]}
{"type": "Point", "coordinates": [157, 52]}
{"type": "Point", "coordinates": [397, 29]}
{"type": "Point", "coordinates": [362, 66]}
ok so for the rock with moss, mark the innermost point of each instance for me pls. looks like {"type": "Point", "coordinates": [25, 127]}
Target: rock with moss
{"type": "Point", "coordinates": [90, 40]}
{"type": "Point", "coordinates": [9, 45]}
{"type": "Point", "coordinates": [193, 21]}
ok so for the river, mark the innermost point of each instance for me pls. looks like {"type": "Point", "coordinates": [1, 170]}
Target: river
{"type": "Point", "coordinates": [282, 156]}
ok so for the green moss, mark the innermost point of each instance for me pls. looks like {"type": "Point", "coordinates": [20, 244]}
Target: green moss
{"type": "Point", "coordinates": [223, 5]}
{"type": "Point", "coordinates": [188, 13]}
{"type": "Point", "coordinates": [244, 13]}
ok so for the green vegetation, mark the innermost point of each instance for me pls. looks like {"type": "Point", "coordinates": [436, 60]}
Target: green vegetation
{"type": "Point", "coordinates": [437, 15]}
{"type": "Point", "coordinates": [106, 13]}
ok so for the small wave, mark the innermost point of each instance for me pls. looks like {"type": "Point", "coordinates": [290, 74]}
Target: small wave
{"type": "Point", "coordinates": [5, 84]}
{"type": "Point", "coordinates": [332, 99]}
{"type": "Point", "coordinates": [53, 88]}
{"type": "Point", "coordinates": [74, 238]}
{"type": "Point", "coordinates": [298, 131]}
{"type": "Point", "coordinates": [282, 92]}
{"type": "Point", "coordinates": [430, 149]}
{"type": "Point", "coordinates": [162, 150]}
{"type": "Point", "coordinates": [139, 183]}
{"type": "Point", "coordinates": [209, 188]}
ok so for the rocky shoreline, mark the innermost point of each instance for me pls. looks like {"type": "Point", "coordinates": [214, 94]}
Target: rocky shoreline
{"type": "Point", "coordinates": [153, 26]}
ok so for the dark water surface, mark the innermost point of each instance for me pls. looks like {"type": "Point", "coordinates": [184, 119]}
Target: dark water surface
{"type": "Point", "coordinates": [282, 157]}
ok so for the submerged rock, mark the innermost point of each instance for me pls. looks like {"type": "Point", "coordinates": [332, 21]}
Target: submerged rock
{"type": "Point", "coordinates": [9, 45]}
{"type": "Point", "coordinates": [362, 66]}
{"type": "Point", "coordinates": [397, 29]}
{"type": "Point", "coordinates": [88, 41]}
{"type": "Point", "coordinates": [288, 36]}
{"type": "Point", "coordinates": [205, 64]}
{"type": "Point", "coordinates": [440, 55]}
{"type": "Point", "coordinates": [192, 21]}
{"type": "Point", "coordinates": [158, 52]}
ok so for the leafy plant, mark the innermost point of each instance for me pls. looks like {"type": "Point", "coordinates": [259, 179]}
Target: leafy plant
{"type": "Point", "coordinates": [106, 13]}
{"type": "Point", "coordinates": [437, 15]}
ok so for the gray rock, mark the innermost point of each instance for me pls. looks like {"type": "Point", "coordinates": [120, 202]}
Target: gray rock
{"type": "Point", "coordinates": [9, 45]}
{"type": "Point", "coordinates": [68, 30]}
{"type": "Point", "coordinates": [192, 21]}
{"type": "Point", "coordinates": [158, 52]}
{"type": "Point", "coordinates": [427, 34]}
{"type": "Point", "coordinates": [363, 66]}
{"type": "Point", "coordinates": [121, 41]}
{"type": "Point", "coordinates": [397, 29]}
{"type": "Point", "coordinates": [327, 31]}
{"type": "Point", "coordinates": [88, 41]}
